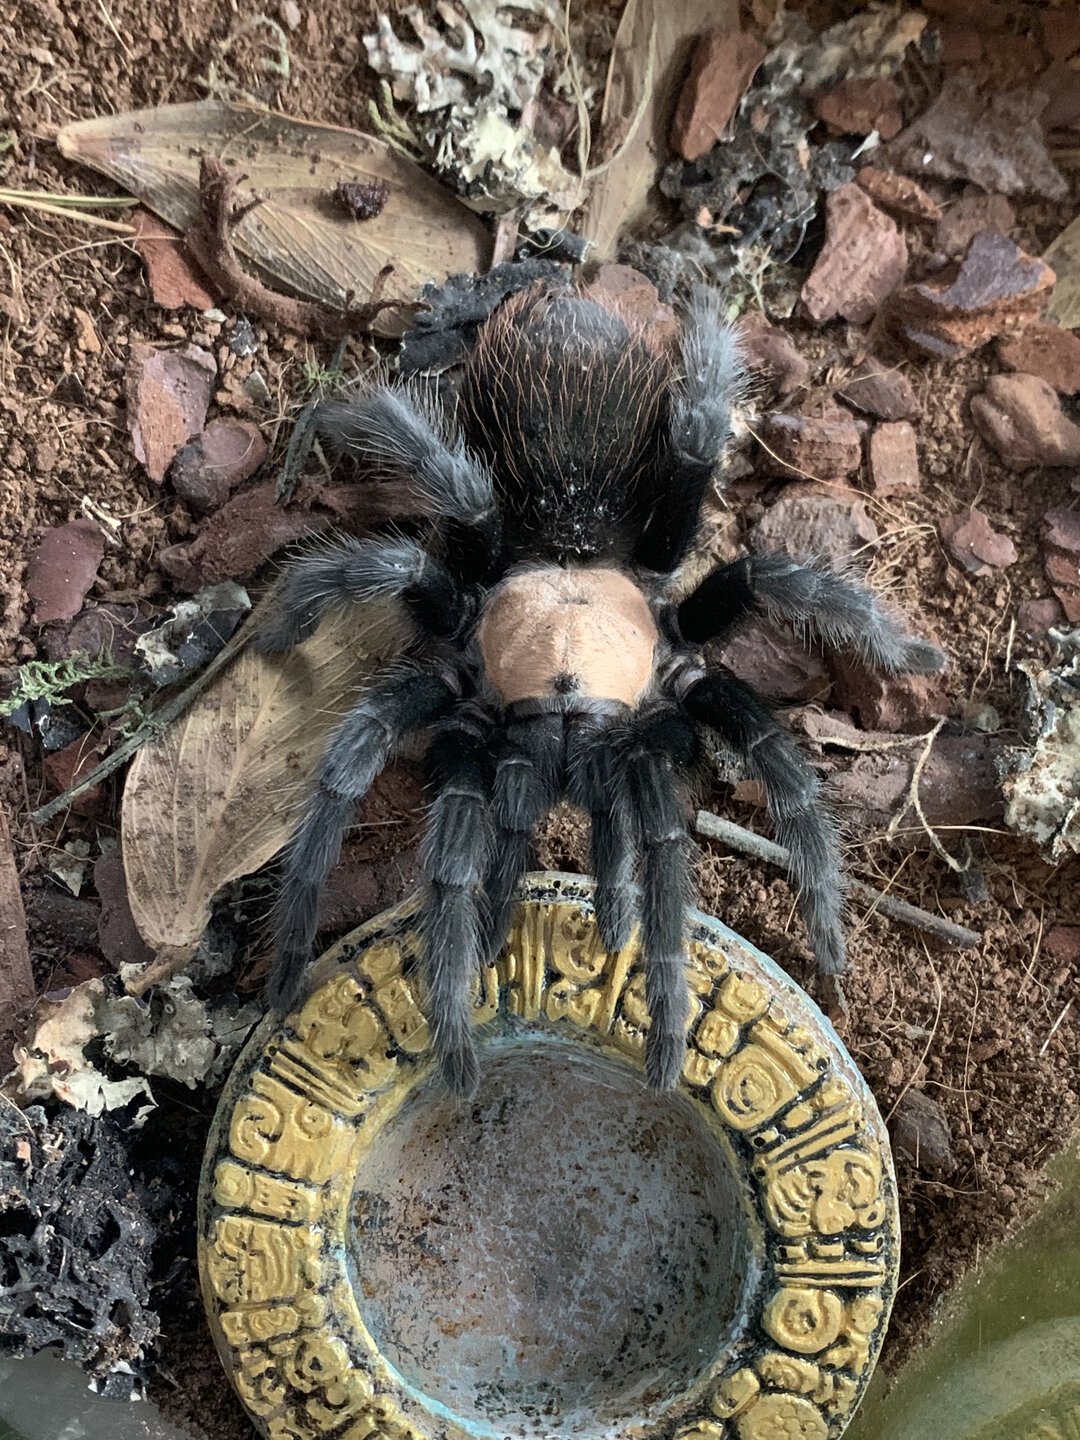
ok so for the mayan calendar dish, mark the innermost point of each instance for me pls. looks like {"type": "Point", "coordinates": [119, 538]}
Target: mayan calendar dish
{"type": "Point", "coordinates": [569, 1254]}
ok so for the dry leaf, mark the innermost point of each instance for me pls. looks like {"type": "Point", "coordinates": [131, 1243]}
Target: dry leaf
{"type": "Point", "coordinates": [648, 65]}
{"type": "Point", "coordinates": [218, 795]}
{"type": "Point", "coordinates": [298, 236]}
{"type": "Point", "coordinates": [1063, 257]}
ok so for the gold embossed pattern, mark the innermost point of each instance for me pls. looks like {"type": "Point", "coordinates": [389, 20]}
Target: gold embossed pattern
{"type": "Point", "coordinates": [307, 1101]}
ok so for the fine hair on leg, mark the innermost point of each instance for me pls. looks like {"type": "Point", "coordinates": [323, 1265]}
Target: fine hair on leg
{"type": "Point", "coordinates": [596, 782]}
{"type": "Point", "coordinates": [814, 599]}
{"type": "Point", "coordinates": [454, 853]}
{"type": "Point", "coordinates": [402, 702]}
{"type": "Point", "coordinates": [767, 753]}
{"type": "Point", "coordinates": [662, 746]}
{"type": "Point", "coordinates": [527, 783]}
{"type": "Point", "coordinates": [352, 571]}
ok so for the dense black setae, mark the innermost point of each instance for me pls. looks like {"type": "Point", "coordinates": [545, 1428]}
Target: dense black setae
{"type": "Point", "coordinates": [548, 660]}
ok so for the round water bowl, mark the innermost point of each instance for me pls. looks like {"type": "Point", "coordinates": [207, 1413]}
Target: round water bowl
{"type": "Point", "coordinates": [569, 1254]}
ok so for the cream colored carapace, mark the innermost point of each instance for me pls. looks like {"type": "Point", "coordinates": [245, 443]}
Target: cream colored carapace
{"type": "Point", "coordinates": [586, 632]}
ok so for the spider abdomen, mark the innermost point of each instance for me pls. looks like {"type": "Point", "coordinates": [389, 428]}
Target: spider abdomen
{"type": "Point", "coordinates": [568, 632]}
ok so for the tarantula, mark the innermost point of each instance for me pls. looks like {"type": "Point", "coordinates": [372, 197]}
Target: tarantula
{"type": "Point", "coordinates": [548, 660]}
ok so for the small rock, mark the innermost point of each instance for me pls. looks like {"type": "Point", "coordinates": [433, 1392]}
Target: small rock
{"type": "Point", "coordinates": [992, 139]}
{"type": "Point", "coordinates": [862, 261]}
{"type": "Point", "coordinates": [816, 447]}
{"type": "Point", "coordinates": [900, 704]}
{"type": "Point", "coordinates": [777, 667]}
{"type": "Point", "coordinates": [898, 193]}
{"type": "Point", "coordinates": [894, 459]}
{"type": "Point", "coordinates": [770, 354]}
{"type": "Point", "coordinates": [86, 337]}
{"type": "Point", "coordinates": [168, 393]}
{"type": "Point", "coordinates": [968, 217]}
{"type": "Point", "coordinates": [209, 467]}
{"type": "Point", "coordinates": [174, 280]}
{"type": "Point", "coordinates": [1020, 417]}
{"type": "Point", "coordinates": [723, 65]}
{"type": "Point", "coordinates": [1045, 350]}
{"type": "Point", "coordinates": [65, 768]}
{"type": "Point", "coordinates": [98, 629]}
{"type": "Point", "coordinates": [634, 296]}
{"type": "Point", "coordinates": [860, 106]}
{"type": "Point", "coordinates": [881, 391]}
{"type": "Point", "coordinates": [120, 941]}
{"type": "Point", "coordinates": [971, 540]}
{"type": "Point", "coordinates": [806, 522]}
{"type": "Point", "coordinates": [235, 540]}
{"type": "Point", "coordinates": [1062, 84]}
{"type": "Point", "coordinates": [1062, 944]}
{"type": "Point", "coordinates": [62, 569]}
{"type": "Point", "coordinates": [1061, 559]}
{"type": "Point", "coordinates": [1035, 617]}
{"type": "Point", "coordinates": [921, 1132]}
{"type": "Point", "coordinates": [998, 288]}
{"type": "Point", "coordinates": [290, 14]}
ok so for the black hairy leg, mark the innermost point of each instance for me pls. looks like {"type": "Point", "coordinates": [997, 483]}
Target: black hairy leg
{"type": "Point", "coordinates": [402, 434]}
{"type": "Point", "coordinates": [352, 571]}
{"type": "Point", "coordinates": [399, 704]}
{"type": "Point", "coordinates": [699, 427]}
{"type": "Point", "coordinates": [815, 600]}
{"type": "Point", "coordinates": [454, 855]}
{"type": "Point", "coordinates": [528, 779]}
{"type": "Point", "coordinates": [596, 782]}
{"type": "Point", "coordinates": [661, 749]}
{"type": "Point", "coordinates": [766, 752]}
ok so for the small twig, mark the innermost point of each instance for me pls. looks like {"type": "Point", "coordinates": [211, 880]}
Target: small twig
{"type": "Point", "coordinates": [303, 437]}
{"type": "Point", "coordinates": [155, 723]}
{"type": "Point", "coordinates": [211, 245]}
{"type": "Point", "coordinates": [1054, 1028]}
{"type": "Point", "coordinates": [761, 849]}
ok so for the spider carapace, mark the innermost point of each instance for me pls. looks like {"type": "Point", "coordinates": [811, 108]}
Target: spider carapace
{"type": "Point", "coordinates": [548, 658]}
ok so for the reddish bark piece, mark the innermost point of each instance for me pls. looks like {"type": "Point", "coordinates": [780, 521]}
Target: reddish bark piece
{"type": "Point", "coordinates": [1045, 350]}
{"type": "Point", "coordinates": [65, 768]}
{"type": "Point", "coordinates": [808, 522]}
{"type": "Point", "coordinates": [894, 459]}
{"type": "Point", "coordinates": [1062, 943]}
{"type": "Point", "coordinates": [776, 666]}
{"type": "Point", "coordinates": [998, 288]}
{"type": "Point", "coordinates": [1020, 417]}
{"type": "Point", "coordinates": [958, 786]}
{"type": "Point", "coordinates": [168, 393]}
{"type": "Point", "coordinates": [173, 278]}
{"type": "Point", "coordinates": [17, 987]}
{"type": "Point", "coordinates": [900, 704]}
{"type": "Point", "coordinates": [994, 140]}
{"type": "Point", "coordinates": [771, 354]}
{"type": "Point", "coordinates": [898, 193]}
{"type": "Point", "coordinates": [877, 390]}
{"type": "Point", "coordinates": [209, 467]}
{"type": "Point", "coordinates": [120, 941]}
{"type": "Point", "coordinates": [722, 67]}
{"type": "Point", "coordinates": [862, 261]}
{"type": "Point", "coordinates": [62, 569]}
{"type": "Point", "coordinates": [967, 217]}
{"type": "Point", "coordinates": [1036, 617]}
{"type": "Point", "coordinates": [859, 106]}
{"type": "Point", "coordinates": [975, 544]}
{"type": "Point", "coordinates": [960, 45]}
{"type": "Point", "coordinates": [815, 447]}
{"type": "Point", "coordinates": [1061, 558]}
{"type": "Point", "coordinates": [235, 540]}
{"type": "Point", "coordinates": [634, 296]}
{"type": "Point", "coordinates": [1060, 32]}
{"type": "Point", "coordinates": [920, 1131]}
{"type": "Point", "coordinates": [1062, 84]}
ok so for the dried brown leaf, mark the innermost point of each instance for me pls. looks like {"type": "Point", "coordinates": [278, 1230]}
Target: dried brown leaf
{"type": "Point", "coordinates": [1063, 257]}
{"type": "Point", "coordinates": [298, 235]}
{"type": "Point", "coordinates": [648, 64]}
{"type": "Point", "coordinates": [219, 793]}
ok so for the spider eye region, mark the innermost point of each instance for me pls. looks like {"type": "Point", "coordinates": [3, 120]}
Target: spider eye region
{"type": "Point", "coordinates": [554, 631]}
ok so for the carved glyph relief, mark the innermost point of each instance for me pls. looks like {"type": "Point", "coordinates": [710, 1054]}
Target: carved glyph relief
{"type": "Point", "coordinates": [306, 1102]}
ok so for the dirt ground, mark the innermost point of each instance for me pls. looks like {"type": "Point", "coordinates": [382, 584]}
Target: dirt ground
{"type": "Point", "coordinates": [989, 1034]}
